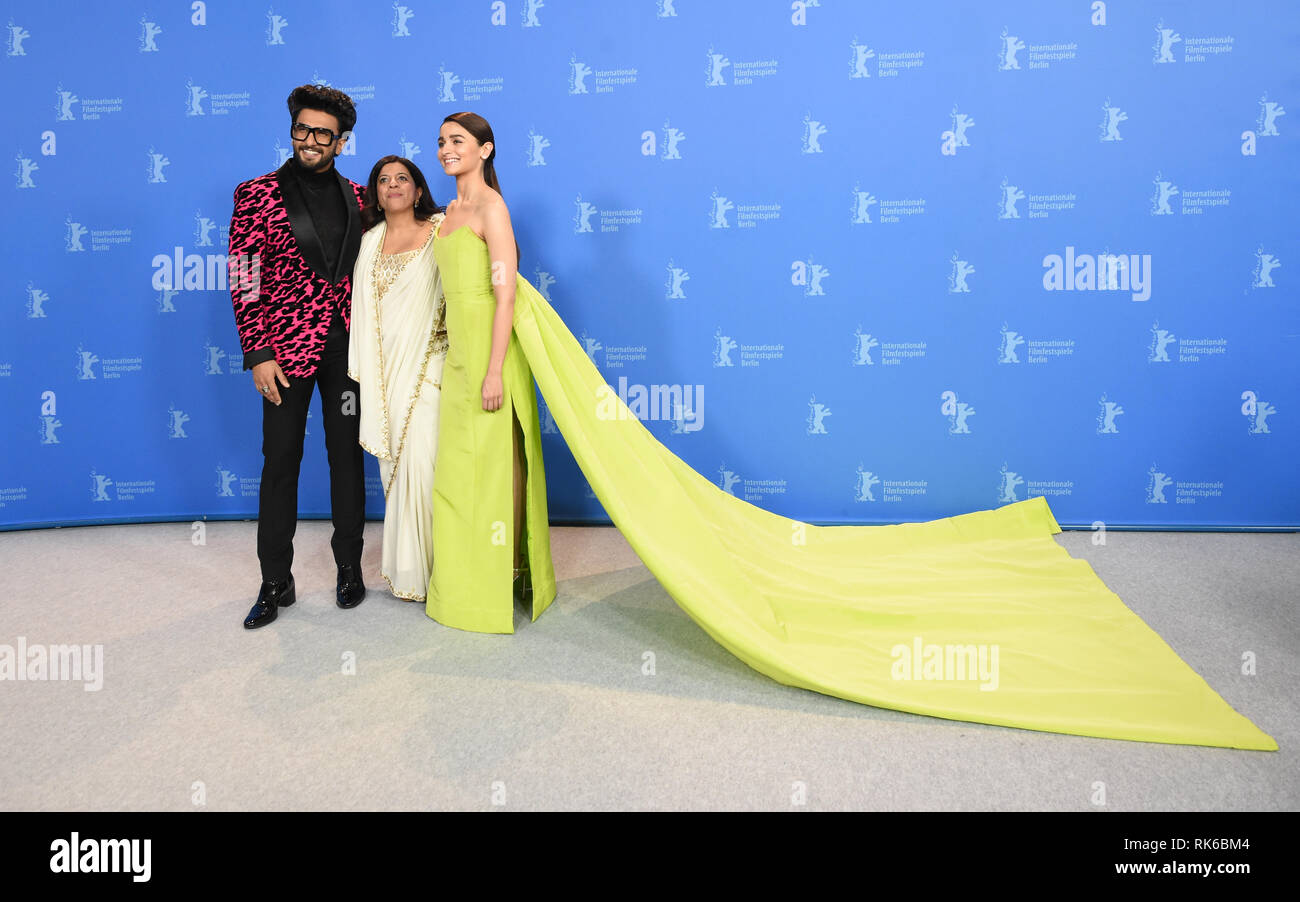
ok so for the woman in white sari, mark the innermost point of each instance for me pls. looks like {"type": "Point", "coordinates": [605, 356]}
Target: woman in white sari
{"type": "Point", "coordinates": [397, 348]}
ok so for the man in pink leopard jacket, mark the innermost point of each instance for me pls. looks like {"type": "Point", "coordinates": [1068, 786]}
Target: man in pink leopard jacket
{"type": "Point", "coordinates": [294, 236]}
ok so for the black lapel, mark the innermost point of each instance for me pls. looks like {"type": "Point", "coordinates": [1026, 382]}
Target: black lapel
{"type": "Point", "coordinates": [304, 230]}
{"type": "Point", "coordinates": [352, 237]}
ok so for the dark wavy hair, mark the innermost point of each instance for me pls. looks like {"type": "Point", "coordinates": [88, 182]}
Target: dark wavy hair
{"type": "Point", "coordinates": [326, 100]}
{"type": "Point", "coordinates": [477, 126]}
{"type": "Point", "coordinates": [372, 214]}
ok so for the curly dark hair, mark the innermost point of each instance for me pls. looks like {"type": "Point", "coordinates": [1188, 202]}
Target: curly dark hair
{"type": "Point", "coordinates": [326, 100]}
{"type": "Point", "coordinates": [425, 207]}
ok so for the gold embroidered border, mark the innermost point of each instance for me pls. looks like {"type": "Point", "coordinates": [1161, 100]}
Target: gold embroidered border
{"type": "Point", "coordinates": [405, 596]}
{"type": "Point", "coordinates": [424, 364]}
{"type": "Point", "coordinates": [415, 396]}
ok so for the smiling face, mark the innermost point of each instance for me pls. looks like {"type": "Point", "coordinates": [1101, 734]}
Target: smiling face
{"type": "Point", "coordinates": [459, 151]}
{"type": "Point", "coordinates": [396, 189]}
{"type": "Point", "coordinates": [310, 155]}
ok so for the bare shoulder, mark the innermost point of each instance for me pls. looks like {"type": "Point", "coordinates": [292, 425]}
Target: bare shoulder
{"type": "Point", "coordinates": [494, 211]}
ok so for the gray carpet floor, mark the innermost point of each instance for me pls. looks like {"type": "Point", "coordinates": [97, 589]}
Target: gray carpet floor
{"type": "Point", "coordinates": [195, 711]}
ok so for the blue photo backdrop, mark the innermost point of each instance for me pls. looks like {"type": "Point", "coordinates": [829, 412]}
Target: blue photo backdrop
{"type": "Point", "coordinates": [855, 262]}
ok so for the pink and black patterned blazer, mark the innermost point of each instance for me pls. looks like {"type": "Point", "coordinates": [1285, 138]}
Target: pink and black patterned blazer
{"type": "Point", "coordinates": [283, 312]}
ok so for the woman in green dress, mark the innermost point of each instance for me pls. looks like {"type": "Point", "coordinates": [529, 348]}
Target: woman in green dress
{"type": "Point", "coordinates": [490, 531]}
{"type": "Point", "coordinates": [980, 617]}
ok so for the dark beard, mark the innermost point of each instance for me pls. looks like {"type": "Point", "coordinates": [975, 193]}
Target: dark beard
{"type": "Point", "coordinates": [322, 166]}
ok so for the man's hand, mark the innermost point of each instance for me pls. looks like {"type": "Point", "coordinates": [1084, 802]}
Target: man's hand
{"type": "Point", "coordinates": [266, 375]}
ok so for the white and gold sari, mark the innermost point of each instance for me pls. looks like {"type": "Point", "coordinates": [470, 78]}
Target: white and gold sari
{"type": "Point", "coordinates": [397, 348]}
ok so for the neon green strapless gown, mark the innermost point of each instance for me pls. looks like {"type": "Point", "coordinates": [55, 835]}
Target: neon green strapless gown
{"type": "Point", "coordinates": [470, 586]}
{"type": "Point", "coordinates": [980, 617]}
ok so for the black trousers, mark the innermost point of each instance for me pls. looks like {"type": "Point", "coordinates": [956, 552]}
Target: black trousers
{"type": "Point", "coordinates": [283, 428]}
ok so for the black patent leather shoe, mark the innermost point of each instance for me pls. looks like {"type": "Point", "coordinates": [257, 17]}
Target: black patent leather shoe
{"type": "Point", "coordinates": [272, 596]}
{"type": "Point", "coordinates": [351, 590]}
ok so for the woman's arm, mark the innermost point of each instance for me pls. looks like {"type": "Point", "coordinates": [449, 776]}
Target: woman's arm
{"type": "Point", "coordinates": [500, 238]}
